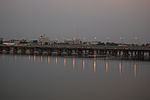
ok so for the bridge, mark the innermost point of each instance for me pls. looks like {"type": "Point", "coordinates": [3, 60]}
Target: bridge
{"type": "Point", "coordinates": [135, 52]}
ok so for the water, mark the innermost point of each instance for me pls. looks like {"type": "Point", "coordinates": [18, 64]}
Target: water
{"type": "Point", "coordinates": [69, 78]}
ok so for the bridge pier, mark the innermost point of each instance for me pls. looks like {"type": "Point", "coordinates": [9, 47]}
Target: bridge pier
{"type": "Point", "coordinates": [135, 53]}
{"type": "Point", "coordinates": [74, 52]}
{"type": "Point", "coordinates": [118, 53]}
{"type": "Point", "coordinates": [49, 51]}
{"type": "Point", "coordinates": [68, 52]}
{"type": "Point", "coordinates": [31, 51]}
{"type": "Point", "coordinates": [63, 52]}
{"type": "Point", "coordinates": [125, 53]}
{"type": "Point", "coordinates": [11, 50]}
{"type": "Point", "coordinates": [28, 51]}
{"type": "Point", "coordinates": [131, 54]}
{"type": "Point", "coordinates": [102, 52]}
{"type": "Point", "coordinates": [115, 53]}
{"type": "Point", "coordinates": [95, 52]}
{"type": "Point", "coordinates": [109, 52]}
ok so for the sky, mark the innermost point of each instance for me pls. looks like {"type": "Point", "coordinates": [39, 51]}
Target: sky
{"type": "Point", "coordinates": [108, 20]}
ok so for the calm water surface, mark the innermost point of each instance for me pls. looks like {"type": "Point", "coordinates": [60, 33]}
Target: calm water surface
{"type": "Point", "coordinates": [69, 78]}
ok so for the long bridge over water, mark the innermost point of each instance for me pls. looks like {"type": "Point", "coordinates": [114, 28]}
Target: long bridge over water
{"type": "Point", "coordinates": [135, 52]}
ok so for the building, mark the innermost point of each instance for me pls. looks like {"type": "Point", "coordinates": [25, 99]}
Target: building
{"type": "Point", "coordinates": [22, 43]}
{"type": "Point", "coordinates": [33, 42]}
{"type": "Point", "coordinates": [15, 41]}
{"type": "Point", "coordinates": [43, 40]}
{"type": "Point", "coordinates": [94, 42]}
{"type": "Point", "coordinates": [8, 43]}
{"type": "Point", "coordinates": [73, 41]}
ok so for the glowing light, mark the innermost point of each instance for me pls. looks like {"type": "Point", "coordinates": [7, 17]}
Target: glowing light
{"type": "Point", "coordinates": [65, 61]}
{"type": "Point", "coordinates": [134, 69]}
{"type": "Point", "coordinates": [94, 64]}
{"type": "Point", "coordinates": [56, 60]}
{"type": "Point", "coordinates": [48, 59]}
{"type": "Point", "coordinates": [73, 62]}
{"type": "Point", "coordinates": [106, 66]}
{"type": "Point", "coordinates": [83, 65]}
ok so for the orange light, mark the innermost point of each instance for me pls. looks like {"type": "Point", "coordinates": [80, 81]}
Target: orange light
{"type": "Point", "coordinates": [134, 69]}
{"type": "Point", "coordinates": [94, 64]}
{"type": "Point", "coordinates": [106, 67]}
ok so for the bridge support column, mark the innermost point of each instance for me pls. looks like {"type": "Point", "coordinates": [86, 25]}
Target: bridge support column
{"type": "Point", "coordinates": [99, 52]}
{"type": "Point", "coordinates": [83, 52]}
{"type": "Point", "coordinates": [119, 53]}
{"type": "Point", "coordinates": [109, 52]}
{"type": "Point", "coordinates": [131, 53]}
{"type": "Point", "coordinates": [105, 52]}
{"type": "Point", "coordinates": [142, 53]}
{"type": "Point", "coordinates": [95, 52]}
{"type": "Point", "coordinates": [135, 53]}
{"type": "Point", "coordinates": [139, 54]}
{"type": "Point", "coordinates": [115, 52]}
{"type": "Point", "coordinates": [49, 52]}
{"type": "Point", "coordinates": [73, 52]}
{"type": "Point", "coordinates": [23, 51]}
{"type": "Point", "coordinates": [79, 52]}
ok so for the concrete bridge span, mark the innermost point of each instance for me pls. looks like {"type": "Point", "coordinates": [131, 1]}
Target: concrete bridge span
{"type": "Point", "coordinates": [80, 50]}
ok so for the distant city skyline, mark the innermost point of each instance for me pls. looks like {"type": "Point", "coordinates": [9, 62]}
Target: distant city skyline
{"type": "Point", "coordinates": [135, 40]}
{"type": "Point", "coordinates": [108, 20]}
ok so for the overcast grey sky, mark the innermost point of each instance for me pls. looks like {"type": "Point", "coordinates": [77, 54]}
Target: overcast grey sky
{"type": "Point", "coordinates": [104, 19]}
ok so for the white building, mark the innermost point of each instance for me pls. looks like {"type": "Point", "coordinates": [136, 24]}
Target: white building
{"type": "Point", "coordinates": [73, 41]}
{"type": "Point", "coordinates": [44, 41]}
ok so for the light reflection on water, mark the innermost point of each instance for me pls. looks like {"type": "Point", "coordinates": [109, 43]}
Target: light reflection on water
{"type": "Point", "coordinates": [73, 62]}
{"type": "Point", "coordinates": [135, 70]}
{"type": "Point", "coordinates": [120, 67]}
{"type": "Point", "coordinates": [65, 61]}
{"type": "Point", "coordinates": [48, 59]}
{"type": "Point", "coordinates": [66, 78]}
{"type": "Point", "coordinates": [34, 57]}
{"type": "Point", "coordinates": [94, 64]}
{"type": "Point", "coordinates": [106, 66]}
{"type": "Point", "coordinates": [83, 64]}
{"type": "Point", "coordinates": [41, 58]}
{"type": "Point", "coordinates": [56, 60]}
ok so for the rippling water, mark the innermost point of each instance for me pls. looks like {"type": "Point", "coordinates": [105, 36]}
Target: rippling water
{"type": "Point", "coordinates": [69, 78]}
